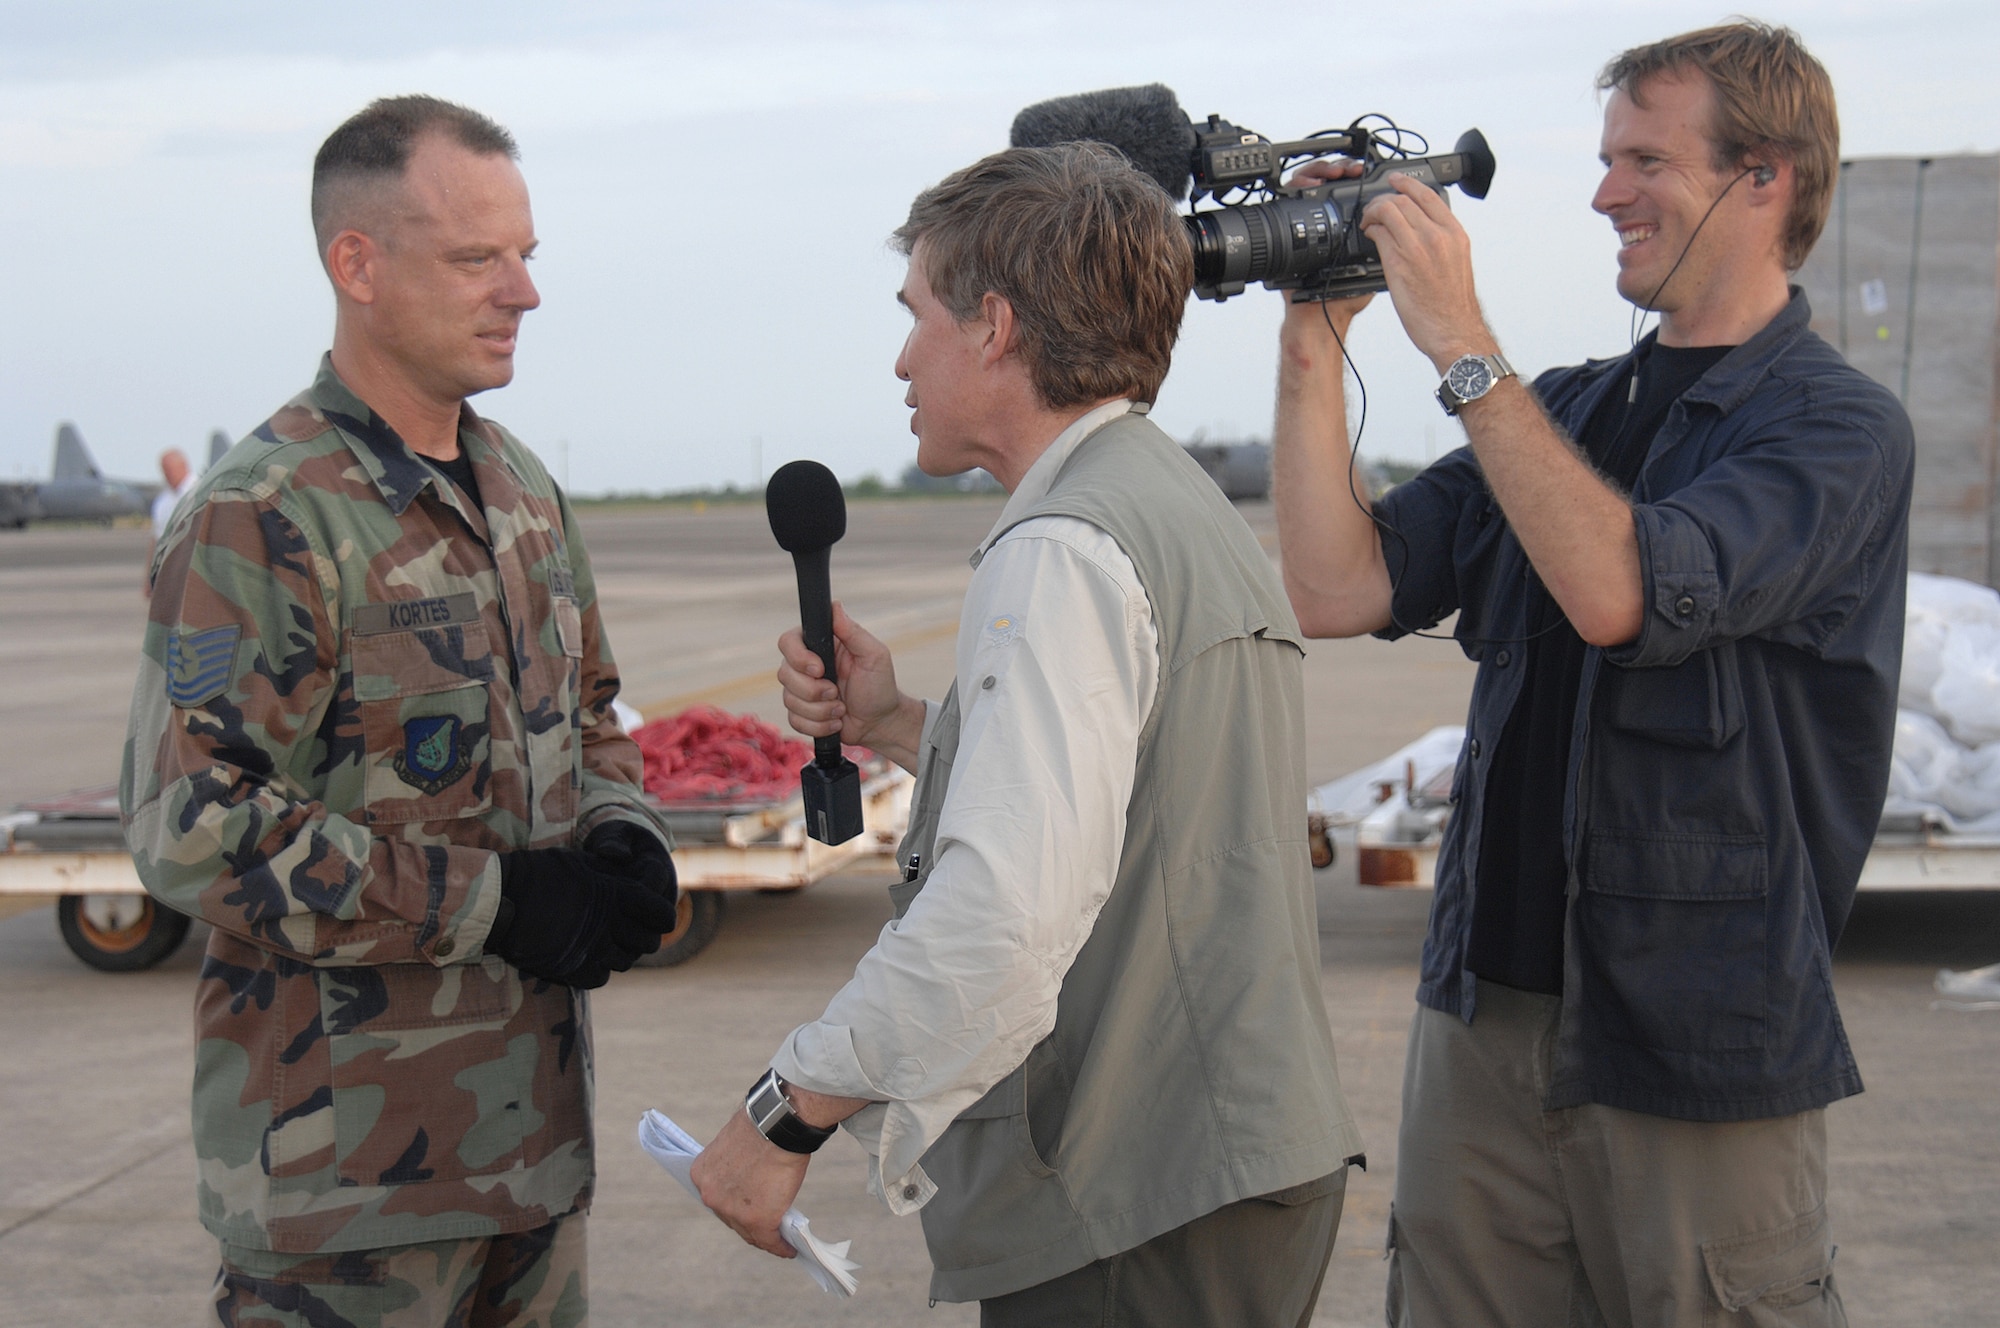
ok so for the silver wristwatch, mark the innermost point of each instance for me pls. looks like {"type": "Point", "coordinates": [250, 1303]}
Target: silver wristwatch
{"type": "Point", "coordinates": [1469, 378]}
{"type": "Point", "coordinates": [771, 1112]}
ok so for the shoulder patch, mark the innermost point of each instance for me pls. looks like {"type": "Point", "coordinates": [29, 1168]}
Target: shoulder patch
{"type": "Point", "coordinates": [200, 664]}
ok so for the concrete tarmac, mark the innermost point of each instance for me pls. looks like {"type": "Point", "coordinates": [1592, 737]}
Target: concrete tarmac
{"type": "Point", "coordinates": [97, 1220]}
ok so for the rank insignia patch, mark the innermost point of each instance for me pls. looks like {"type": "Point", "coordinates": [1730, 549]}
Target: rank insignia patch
{"type": "Point", "coordinates": [435, 753]}
{"type": "Point", "coordinates": [199, 664]}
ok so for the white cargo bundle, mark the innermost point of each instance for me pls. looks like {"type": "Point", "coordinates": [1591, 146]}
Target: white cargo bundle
{"type": "Point", "coordinates": [1947, 763]}
{"type": "Point", "coordinates": [1940, 825]}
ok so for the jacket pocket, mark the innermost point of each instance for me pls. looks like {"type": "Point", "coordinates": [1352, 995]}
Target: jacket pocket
{"type": "Point", "coordinates": [1697, 703]}
{"type": "Point", "coordinates": [423, 698]}
{"type": "Point", "coordinates": [569, 627]}
{"type": "Point", "coordinates": [1673, 931]}
{"type": "Point", "coordinates": [1782, 1278]}
{"type": "Point", "coordinates": [425, 1083]}
{"type": "Point", "coordinates": [430, 757]}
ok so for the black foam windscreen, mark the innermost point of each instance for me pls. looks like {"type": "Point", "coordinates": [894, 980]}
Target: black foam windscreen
{"type": "Point", "coordinates": [1145, 123]}
{"type": "Point", "coordinates": [806, 507]}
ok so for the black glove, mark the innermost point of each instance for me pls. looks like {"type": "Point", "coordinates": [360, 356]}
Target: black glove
{"type": "Point", "coordinates": [637, 853]}
{"type": "Point", "coordinates": [568, 915]}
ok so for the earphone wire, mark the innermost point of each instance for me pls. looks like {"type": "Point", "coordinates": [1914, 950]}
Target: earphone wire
{"type": "Point", "coordinates": [1384, 528]}
{"type": "Point", "coordinates": [1639, 311]}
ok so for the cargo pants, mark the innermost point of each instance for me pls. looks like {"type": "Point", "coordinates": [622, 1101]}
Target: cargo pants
{"type": "Point", "coordinates": [1509, 1216]}
{"type": "Point", "coordinates": [531, 1279]}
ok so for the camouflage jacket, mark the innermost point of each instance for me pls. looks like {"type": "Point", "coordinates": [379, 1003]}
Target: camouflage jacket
{"type": "Point", "coordinates": [353, 691]}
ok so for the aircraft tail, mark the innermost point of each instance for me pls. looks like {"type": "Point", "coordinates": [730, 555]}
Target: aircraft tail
{"type": "Point", "coordinates": [73, 459]}
{"type": "Point", "coordinates": [218, 444]}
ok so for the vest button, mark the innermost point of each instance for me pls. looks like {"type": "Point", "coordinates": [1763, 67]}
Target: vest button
{"type": "Point", "coordinates": [444, 947]}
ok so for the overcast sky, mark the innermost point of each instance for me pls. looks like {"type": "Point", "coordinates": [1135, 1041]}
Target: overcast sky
{"type": "Point", "coordinates": [713, 186]}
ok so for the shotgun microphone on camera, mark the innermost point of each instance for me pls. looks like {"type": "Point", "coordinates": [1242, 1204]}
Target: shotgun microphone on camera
{"type": "Point", "coordinates": [1145, 123]}
{"type": "Point", "coordinates": [808, 517]}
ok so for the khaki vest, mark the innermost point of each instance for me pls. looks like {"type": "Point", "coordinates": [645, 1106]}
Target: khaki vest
{"type": "Point", "coordinates": [1191, 1064]}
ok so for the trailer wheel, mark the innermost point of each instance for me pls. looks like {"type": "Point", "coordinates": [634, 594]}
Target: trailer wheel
{"type": "Point", "coordinates": [698, 917]}
{"type": "Point", "coordinates": [119, 933]}
{"type": "Point", "coordinates": [1319, 836]}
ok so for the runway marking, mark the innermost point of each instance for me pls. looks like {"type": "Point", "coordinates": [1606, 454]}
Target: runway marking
{"type": "Point", "coordinates": [181, 1134]}
{"type": "Point", "coordinates": [750, 684]}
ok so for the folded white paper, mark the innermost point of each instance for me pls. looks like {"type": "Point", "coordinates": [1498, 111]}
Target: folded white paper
{"type": "Point", "coordinates": [825, 1262]}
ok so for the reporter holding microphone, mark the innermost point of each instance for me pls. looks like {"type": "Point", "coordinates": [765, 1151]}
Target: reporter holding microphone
{"type": "Point", "coordinates": [1090, 1050]}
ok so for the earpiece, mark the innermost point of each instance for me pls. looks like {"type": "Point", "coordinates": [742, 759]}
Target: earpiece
{"type": "Point", "coordinates": [1762, 176]}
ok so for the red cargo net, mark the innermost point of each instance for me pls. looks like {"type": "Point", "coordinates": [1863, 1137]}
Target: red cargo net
{"type": "Point", "coordinates": [708, 755]}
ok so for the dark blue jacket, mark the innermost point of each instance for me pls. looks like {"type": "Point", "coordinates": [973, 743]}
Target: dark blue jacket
{"type": "Point", "coordinates": [1728, 765]}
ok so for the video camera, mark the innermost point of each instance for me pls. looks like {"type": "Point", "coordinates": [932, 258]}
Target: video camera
{"type": "Point", "coordinates": [1305, 240]}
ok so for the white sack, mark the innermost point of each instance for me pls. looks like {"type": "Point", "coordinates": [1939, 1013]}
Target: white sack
{"type": "Point", "coordinates": [1967, 693]}
{"type": "Point", "coordinates": [1946, 767]}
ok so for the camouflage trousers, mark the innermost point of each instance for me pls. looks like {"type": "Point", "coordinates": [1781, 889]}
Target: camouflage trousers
{"type": "Point", "coordinates": [532, 1279]}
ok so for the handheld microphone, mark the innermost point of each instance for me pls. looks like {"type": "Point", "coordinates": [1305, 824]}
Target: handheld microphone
{"type": "Point", "coordinates": [808, 516]}
{"type": "Point", "coordinates": [1145, 123]}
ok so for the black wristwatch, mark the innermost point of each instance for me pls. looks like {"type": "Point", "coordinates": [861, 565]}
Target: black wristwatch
{"type": "Point", "coordinates": [770, 1111]}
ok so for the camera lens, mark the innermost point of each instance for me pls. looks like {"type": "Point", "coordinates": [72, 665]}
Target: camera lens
{"type": "Point", "coordinates": [1286, 237]}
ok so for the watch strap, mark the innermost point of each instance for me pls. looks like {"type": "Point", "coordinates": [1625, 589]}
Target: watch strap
{"type": "Point", "coordinates": [1496, 364]}
{"type": "Point", "coordinates": [771, 1112]}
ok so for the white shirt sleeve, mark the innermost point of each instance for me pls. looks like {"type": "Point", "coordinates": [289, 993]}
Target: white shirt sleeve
{"type": "Point", "coordinates": [1058, 665]}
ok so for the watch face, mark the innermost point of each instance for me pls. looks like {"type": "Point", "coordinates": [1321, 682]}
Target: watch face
{"type": "Point", "coordinates": [1470, 378]}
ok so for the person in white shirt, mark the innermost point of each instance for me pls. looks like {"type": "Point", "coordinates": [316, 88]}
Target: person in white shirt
{"type": "Point", "coordinates": [180, 478]}
{"type": "Point", "coordinates": [1090, 1048]}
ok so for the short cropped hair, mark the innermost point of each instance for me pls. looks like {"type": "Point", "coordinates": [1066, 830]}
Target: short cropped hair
{"type": "Point", "coordinates": [374, 146]}
{"type": "Point", "coordinates": [1772, 99]}
{"type": "Point", "coordinates": [1090, 253]}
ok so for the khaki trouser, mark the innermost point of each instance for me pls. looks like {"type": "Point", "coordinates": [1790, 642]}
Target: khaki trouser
{"type": "Point", "coordinates": [1506, 1214]}
{"type": "Point", "coordinates": [1256, 1262]}
{"type": "Point", "coordinates": [532, 1279]}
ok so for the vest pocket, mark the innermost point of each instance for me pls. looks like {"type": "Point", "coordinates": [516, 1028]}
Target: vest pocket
{"type": "Point", "coordinates": [1673, 929]}
{"type": "Point", "coordinates": [927, 804]}
{"type": "Point", "coordinates": [996, 1198]}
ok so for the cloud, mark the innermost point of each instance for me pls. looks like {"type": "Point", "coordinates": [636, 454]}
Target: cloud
{"type": "Point", "coordinates": [713, 185]}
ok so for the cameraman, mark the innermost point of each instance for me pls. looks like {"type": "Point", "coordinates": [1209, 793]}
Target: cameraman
{"type": "Point", "coordinates": [1682, 574]}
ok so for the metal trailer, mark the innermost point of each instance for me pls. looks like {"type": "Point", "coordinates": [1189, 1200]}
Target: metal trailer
{"type": "Point", "coordinates": [71, 847]}
{"type": "Point", "coordinates": [1395, 840]}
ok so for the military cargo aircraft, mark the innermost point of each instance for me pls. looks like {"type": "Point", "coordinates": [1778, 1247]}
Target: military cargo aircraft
{"type": "Point", "coordinates": [76, 491]}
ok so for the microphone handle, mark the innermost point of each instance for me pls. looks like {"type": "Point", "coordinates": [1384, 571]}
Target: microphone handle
{"type": "Point", "coordinates": [816, 625]}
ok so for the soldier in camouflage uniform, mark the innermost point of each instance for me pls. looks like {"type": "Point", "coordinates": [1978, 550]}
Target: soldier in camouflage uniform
{"type": "Point", "coordinates": [372, 743]}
